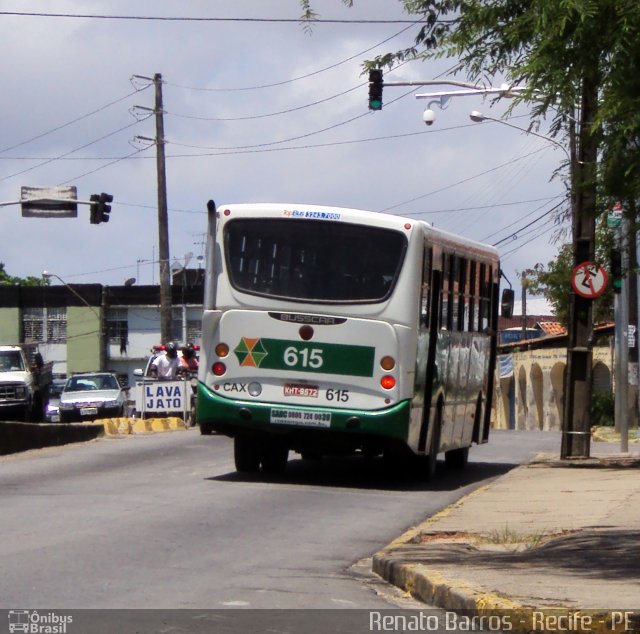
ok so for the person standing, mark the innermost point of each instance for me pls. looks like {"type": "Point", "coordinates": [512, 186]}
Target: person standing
{"type": "Point", "coordinates": [166, 366]}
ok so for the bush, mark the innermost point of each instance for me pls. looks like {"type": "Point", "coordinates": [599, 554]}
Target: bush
{"type": "Point", "coordinates": [603, 409]}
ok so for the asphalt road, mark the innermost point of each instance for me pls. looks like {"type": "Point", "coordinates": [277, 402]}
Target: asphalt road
{"type": "Point", "coordinates": [164, 521]}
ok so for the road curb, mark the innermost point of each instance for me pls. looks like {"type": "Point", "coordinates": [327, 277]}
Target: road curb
{"type": "Point", "coordinates": [405, 564]}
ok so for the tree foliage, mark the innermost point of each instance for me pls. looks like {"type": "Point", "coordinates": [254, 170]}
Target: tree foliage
{"type": "Point", "coordinates": [561, 51]}
{"type": "Point", "coordinates": [9, 280]}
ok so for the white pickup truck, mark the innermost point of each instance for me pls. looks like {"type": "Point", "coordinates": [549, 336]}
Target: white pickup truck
{"type": "Point", "coordinates": [24, 381]}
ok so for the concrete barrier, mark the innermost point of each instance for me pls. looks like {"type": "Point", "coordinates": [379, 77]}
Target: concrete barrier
{"type": "Point", "coordinates": [126, 426]}
{"type": "Point", "coordinates": [15, 437]}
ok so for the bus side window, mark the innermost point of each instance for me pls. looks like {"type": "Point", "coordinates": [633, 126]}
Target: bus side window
{"type": "Point", "coordinates": [485, 296]}
{"type": "Point", "coordinates": [425, 307]}
{"type": "Point", "coordinates": [462, 290]}
{"type": "Point", "coordinates": [473, 296]}
{"type": "Point", "coordinates": [445, 304]}
{"type": "Point", "coordinates": [454, 292]}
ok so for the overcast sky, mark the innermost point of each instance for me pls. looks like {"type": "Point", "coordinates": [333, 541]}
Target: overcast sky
{"type": "Point", "coordinates": [256, 110]}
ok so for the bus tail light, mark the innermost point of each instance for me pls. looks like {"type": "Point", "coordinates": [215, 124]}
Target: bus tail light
{"type": "Point", "coordinates": [387, 363]}
{"type": "Point", "coordinates": [218, 368]}
{"type": "Point", "coordinates": [222, 350]}
{"type": "Point", "coordinates": [388, 382]}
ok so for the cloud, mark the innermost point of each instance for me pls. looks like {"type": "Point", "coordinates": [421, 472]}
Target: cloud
{"type": "Point", "coordinates": [62, 69]}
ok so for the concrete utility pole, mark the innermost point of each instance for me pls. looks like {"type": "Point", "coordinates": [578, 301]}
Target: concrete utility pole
{"type": "Point", "coordinates": [576, 428]}
{"type": "Point", "coordinates": [632, 287]}
{"type": "Point", "coordinates": [163, 217]}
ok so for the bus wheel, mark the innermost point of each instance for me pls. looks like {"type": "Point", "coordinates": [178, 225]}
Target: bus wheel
{"type": "Point", "coordinates": [274, 457]}
{"type": "Point", "coordinates": [457, 458]}
{"type": "Point", "coordinates": [246, 454]}
{"type": "Point", "coordinates": [205, 430]}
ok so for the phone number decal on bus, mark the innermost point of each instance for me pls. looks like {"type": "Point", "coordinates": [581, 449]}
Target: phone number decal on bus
{"type": "Point", "coordinates": [316, 215]}
{"type": "Point", "coordinates": [299, 417]}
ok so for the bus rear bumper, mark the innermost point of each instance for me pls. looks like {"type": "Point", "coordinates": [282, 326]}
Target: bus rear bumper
{"type": "Point", "coordinates": [303, 426]}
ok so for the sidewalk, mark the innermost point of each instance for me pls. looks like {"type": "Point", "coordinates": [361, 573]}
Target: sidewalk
{"type": "Point", "coordinates": [551, 534]}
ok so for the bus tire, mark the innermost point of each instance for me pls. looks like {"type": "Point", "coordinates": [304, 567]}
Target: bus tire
{"type": "Point", "coordinates": [457, 458]}
{"type": "Point", "coordinates": [246, 454]}
{"type": "Point", "coordinates": [274, 457]}
{"type": "Point", "coordinates": [205, 430]}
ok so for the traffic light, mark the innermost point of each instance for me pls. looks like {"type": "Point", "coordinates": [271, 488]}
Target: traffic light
{"type": "Point", "coordinates": [104, 206]}
{"type": "Point", "coordinates": [375, 89]}
{"type": "Point", "coordinates": [94, 212]}
{"type": "Point", "coordinates": [616, 270]}
{"type": "Point", "coordinates": [99, 208]}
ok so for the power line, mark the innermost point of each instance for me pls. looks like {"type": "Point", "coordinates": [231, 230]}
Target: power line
{"type": "Point", "coordinates": [270, 114]}
{"type": "Point", "coordinates": [478, 208]}
{"type": "Point", "coordinates": [97, 169]}
{"type": "Point", "coordinates": [68, 123]}
{"type": "Point", "coordinates": [511, 224]}
{"type": "Point", "coordinates": [460, 182]}
{"type": "Point", "coordinates": [158, 18]}
{"type": "Point", "coordinates": [529, 224]}
{"type": "Point", "coordinates": [305, 76]}
{"type": "Point", "coordinates": [81, 147]}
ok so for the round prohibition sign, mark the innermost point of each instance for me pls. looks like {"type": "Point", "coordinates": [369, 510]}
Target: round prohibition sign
{"type": "Point", "coordinates": [589, 280]}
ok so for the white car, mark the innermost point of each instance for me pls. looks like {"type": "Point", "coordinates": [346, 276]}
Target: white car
{"type": "Point", "coordinates": [92, 395]}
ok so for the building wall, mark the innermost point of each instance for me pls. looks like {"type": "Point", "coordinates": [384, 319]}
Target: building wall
{"type": "Point", "coordinates": [87, 312]}
{"type": "Point", "coordinates": [83, 339]}
{"type": "Point", "coordinates": [532, 397]}
{"type": "Point", "coordinates": [9, 325]}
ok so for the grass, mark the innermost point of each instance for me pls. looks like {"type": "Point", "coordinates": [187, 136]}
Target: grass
{"type": "Point", "coordinates": [508, 536]}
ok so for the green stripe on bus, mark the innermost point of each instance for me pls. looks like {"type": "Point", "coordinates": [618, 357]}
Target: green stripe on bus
{"type": "Point", "coordinates": [224, 413]}
{"type": "Point", "coordinates": [327, 358]}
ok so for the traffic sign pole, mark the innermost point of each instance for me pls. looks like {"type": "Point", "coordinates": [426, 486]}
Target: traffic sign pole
{"type": "Point", "coordinates": [621, 315]}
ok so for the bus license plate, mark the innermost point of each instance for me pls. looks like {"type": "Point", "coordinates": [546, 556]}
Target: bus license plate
{"type": "Point", "coordinates": [88, 411]}
{"type": "Point", "coordinates": [302, 418]}
{"type": "Point", "coordinates": [295, 389]}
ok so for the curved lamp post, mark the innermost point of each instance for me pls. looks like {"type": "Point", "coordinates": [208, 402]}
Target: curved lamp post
{"type": "Point", "coordinates": [478, 117]}
{"type": "Point", "coordinates": [47, 275]}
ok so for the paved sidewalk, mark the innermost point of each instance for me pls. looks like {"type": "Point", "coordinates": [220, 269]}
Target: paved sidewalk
{"type": "Point", "coordinates": [552, 534]}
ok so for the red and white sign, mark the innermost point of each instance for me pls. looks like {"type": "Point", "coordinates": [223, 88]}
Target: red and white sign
{"type": "Point", "coordinates": [589, 280]}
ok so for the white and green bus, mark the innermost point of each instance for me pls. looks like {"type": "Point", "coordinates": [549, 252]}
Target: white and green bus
{"type": "Point", "coordinates": [332, 331]}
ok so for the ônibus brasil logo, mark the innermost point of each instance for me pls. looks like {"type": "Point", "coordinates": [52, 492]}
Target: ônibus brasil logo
{"type": "Point", "coordinates": [250, 352]}
{"type": "Point", "coordinates": [32, 621]}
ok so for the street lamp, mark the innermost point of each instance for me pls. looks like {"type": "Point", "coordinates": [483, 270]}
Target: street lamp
{"type": "Point", "coordinates": [47, 275]}
{"type": "Point", "coordinates": [478, 117]}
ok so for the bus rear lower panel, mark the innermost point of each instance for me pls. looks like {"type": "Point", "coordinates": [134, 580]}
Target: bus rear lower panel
{"type": "Point", "coordinates": [349, 430]}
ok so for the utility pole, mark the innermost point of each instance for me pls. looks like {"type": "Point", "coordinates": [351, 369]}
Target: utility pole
{"type": "Point", "coordinates": [523, 284]}
{"type": "Point", "coordinates": [576, 427]}
{"type": "Point", "coordinates": [632, 287]}
{"type": "Point", "coordinates": [163, 217]}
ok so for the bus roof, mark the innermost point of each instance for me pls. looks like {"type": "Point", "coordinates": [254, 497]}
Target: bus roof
{"type": "Point", "coordinates": [337, 214]}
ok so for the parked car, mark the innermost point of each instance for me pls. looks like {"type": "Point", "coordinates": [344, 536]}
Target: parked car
{"type": "Point", "coordinates": [52, 410]}
{"type": "Point", "coordinates": [92, 395]}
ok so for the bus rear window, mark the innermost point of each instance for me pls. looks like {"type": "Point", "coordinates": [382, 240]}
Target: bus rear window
{"type": "Point", "coordinates": [313, 261]}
